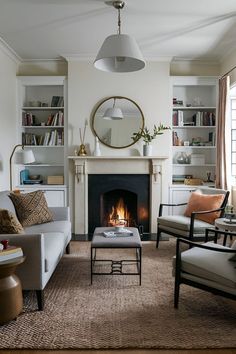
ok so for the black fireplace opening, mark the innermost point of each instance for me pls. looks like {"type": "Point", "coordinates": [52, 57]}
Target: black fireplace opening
{"type": "Point", "coordinates": [118, 198]}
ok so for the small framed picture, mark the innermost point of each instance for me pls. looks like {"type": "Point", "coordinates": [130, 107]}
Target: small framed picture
{"type": "Point", "coordinates": [186, 143]}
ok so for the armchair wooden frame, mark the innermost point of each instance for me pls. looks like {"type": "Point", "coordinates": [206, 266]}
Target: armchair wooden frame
{"type": "Point", "coordinates": [194, 214]}
{"type": "Point", "coordinates": [179, 279]}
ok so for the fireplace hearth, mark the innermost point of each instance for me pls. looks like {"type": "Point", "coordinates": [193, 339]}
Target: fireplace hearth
{"type": "Point", "coordinates": [116, 199]}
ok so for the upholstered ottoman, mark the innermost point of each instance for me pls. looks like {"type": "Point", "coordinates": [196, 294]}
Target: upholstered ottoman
{"type": "Point", "coordinates": [99, 241]}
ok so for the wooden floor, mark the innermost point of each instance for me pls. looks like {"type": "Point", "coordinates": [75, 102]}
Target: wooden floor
{"type": "Point", "coordinates": [124, 351]}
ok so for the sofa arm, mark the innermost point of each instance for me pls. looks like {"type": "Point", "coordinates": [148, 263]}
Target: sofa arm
{"type": "Point", "coordinates": [60, 213]}
{"type": "Point", "coordinates": [31, 271]}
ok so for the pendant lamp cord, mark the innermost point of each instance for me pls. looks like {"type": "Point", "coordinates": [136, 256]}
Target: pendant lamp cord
{"type": "Point", "coordinates": [119, 21]}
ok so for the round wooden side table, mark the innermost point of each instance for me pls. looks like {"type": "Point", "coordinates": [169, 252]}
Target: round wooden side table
{"type": "Point", "coordinates": [11, 299]}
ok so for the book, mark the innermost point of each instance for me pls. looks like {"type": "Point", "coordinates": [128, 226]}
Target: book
{"type": "Point", "coordinates": [123, 233]}
{"type": "Point", "coordinates": [10, 253]}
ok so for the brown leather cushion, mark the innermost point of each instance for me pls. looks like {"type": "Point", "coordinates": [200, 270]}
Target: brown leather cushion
{"type": "Point", "coordinates": [204, 202]}
{"type": "Point", "coordinates": [9, 224]}
{"type": "Point", "coordinates": [31, 208]}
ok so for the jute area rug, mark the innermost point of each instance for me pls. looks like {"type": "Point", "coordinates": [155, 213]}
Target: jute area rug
{"type": "Point", "coordinates": [115, 312]}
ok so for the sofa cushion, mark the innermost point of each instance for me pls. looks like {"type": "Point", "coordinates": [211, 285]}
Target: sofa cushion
{"type": "Point", "coordinates": [209, 265]}
{"type": "Point", "coordinates": [204, 202]}
{"type": "Point", "coordinates": [31, 208]}
{"type": "Point", "coordinates": [63, 227]}
{"type": "Point", "coordinates": [9, 224]}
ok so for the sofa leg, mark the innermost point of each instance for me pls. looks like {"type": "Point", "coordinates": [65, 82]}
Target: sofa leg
{"type": "Point", "coordinates": [40, 299]}
{"type": "Point", "coordinates": [68, 248]}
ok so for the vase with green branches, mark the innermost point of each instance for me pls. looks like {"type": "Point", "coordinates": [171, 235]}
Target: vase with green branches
{"type": "Point", "coordinates": [148, 136]}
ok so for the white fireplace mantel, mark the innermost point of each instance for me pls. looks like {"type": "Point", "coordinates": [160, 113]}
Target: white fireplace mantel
{"type": "Point", "coordinates": [155, 166]}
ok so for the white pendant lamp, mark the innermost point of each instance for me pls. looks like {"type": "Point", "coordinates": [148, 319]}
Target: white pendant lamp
{"type": "Point", "coordinates": [119, 52]}
{"type": "Point", "coordinates": [113, 113]}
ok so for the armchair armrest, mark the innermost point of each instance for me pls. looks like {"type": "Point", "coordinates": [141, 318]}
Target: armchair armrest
{"type": "Point", "coordinates": [195, 213]}
{"type": "Point", "coordinates": [167, 204]}
{"type": "Point", "coordinates": [204, 246]}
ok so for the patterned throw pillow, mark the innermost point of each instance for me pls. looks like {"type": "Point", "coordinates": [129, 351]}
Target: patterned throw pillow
{"type": "Point", "coordinates": [31, 208]}
{"type": "Point", "coordinates": [9, 224]}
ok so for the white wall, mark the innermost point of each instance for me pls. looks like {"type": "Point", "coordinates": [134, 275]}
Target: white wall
{"type": "Point", "coordinates": [8, 68]}
{"type": "Point", "coordinates": [227, 64]}
{"type": "Point", "coordinates": [149, 88]}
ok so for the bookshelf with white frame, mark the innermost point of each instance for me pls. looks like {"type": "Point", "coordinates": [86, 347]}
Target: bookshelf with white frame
{"type": "Point", "coordinates": [42, 127]}
{"type": "Point", "coordinates": [194, 115]}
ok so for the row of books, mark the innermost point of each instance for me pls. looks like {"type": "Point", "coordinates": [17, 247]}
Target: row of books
{"type": "Point", "coordinates": [29, 119]}
{"type": "Point", "coordinates": [57, 101]}
{"type": "Point", "coordinates": [56, 119]}
{"type": "Point", "coordinates": [200, 118]}
{"type": "Point", "coordinates": [10, 252]}
{"type": "Point", "coordinates": [55, 137]}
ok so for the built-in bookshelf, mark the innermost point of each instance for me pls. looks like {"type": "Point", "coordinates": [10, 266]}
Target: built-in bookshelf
{"type": "Point", "coordinates": [194, 117]}
{"type": "Point", "coordinates": [42, 127]}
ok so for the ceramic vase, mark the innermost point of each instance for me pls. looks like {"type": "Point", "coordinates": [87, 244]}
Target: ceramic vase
{"type": "Point", "coordinates": [147, 150]}
{"type": "Point", "coordinates": [97, 151]}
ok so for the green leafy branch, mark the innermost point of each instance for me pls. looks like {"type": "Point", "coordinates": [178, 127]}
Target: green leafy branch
{"type": "Point", "coordinates": [147, 136]}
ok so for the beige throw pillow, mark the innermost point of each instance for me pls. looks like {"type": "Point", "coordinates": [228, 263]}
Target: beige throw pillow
{"type": "Point", "coordinates": [31, 208]}
{"type": "Point", "coordinates": [9, 224]}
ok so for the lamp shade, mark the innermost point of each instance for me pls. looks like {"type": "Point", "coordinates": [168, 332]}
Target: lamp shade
{"type": "Point", "coordinates": [24, 156]}
{"type": "Point", "coordinates": [114, 113]}
{"type": "Point", "coordinates": [119, 53]}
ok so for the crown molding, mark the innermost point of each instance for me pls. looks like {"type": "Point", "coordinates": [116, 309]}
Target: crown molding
{"type": "Point", "coordinates": [9, 51]}
{"type": "Point", "coordinates": [91, 57]}
{"type": "Point", "coordinates": [202, 61]}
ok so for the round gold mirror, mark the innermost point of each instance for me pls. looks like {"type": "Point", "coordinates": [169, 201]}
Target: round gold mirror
{"type": "Point", "coordinates": [115, 119]}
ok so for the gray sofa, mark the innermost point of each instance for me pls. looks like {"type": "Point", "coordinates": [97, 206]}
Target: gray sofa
{"type": "Point", "coordinates": [43, 246]}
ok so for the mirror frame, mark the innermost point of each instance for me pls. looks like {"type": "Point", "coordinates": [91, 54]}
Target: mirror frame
{"type": "Point", "coordinates": [97, 106]}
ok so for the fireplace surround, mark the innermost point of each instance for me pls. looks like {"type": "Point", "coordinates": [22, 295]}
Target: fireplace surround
{"type": "Point", "coordinates": [155, 167]}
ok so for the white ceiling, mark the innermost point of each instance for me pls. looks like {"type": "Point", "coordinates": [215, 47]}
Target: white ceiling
{"type": "Point", "coordinates": [188, 29]}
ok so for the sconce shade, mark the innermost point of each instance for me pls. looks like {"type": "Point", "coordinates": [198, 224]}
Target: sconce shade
{"type": "Point", "coordinates": [119, 53]}
{"type": "Point", "coordinates": [24, 156]}
{"type": "Point", "coordinates": [114, 113]}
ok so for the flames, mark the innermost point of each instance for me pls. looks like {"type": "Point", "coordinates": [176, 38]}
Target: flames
{"type": "Point", "coordinates": [119, 214]}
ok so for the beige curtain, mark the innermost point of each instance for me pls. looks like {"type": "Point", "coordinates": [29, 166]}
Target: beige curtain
{"type": "Point", "coordinates": [221, 165]}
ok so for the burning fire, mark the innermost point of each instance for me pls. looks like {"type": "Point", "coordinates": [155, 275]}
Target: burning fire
{"type": "Point", "coordinates": [119, 214]}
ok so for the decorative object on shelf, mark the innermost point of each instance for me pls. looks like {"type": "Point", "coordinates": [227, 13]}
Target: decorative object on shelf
{"type": "Point", "coordinates": [209, 177]}
{"type": "Point", "coordinates": [183, 158]}
{"type": "Point", "coordinates": [22, 157]}
{"type": "Point", "coordinates": [97, 151]}
{"type": "Point", "coordinates": [113, 113]}
{"type": "Point", "coordinates": [119, 52]}
{"type": "Point", "coordinates": [147, 136]}
{"type": "Point", "coordinates": [193, 181]}
{"type": "Point", "coordinates": [82, 149]}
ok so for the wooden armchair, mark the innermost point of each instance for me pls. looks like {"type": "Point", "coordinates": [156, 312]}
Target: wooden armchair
{"type": "Point", "coordinates": [208, 266]}
{"type": "Point", "coordinates": [192, 227]}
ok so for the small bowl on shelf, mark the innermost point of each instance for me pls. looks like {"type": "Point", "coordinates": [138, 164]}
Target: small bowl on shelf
{"type": "Point", "coordinates": [34, 177]}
